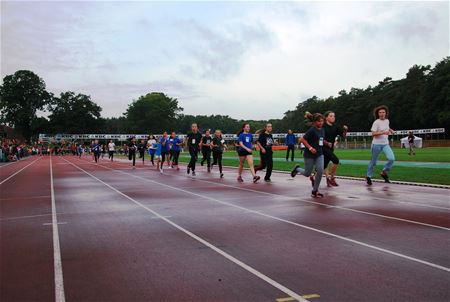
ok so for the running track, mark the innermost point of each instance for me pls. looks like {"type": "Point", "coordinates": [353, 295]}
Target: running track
{"type": "Point", "coordinates": [73, 230]}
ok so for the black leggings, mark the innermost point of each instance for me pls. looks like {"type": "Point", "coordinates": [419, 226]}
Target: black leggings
{"type": "Point", "coordinates": [206, 156]}
{"type": "Point", "coordinates": [132, 156]}
{"type": "Point", "coordinates": [175, 155]}
{"type": "Point", "coordinates": [142, 155]}
{"type": "Point", "coordinates": [328, 155]}
{"type": "Point", "coordinates": [96, 156]}
{"type": "Point", "coordinates": [163, 158]}
{"type": "Point", "coordinates": [193, 152]}
{"type": "Point", "coordinates": [289, 149]}
{"type": "Point", "coordinates": [111, 155]}
{"type": "Point", "coordinates": [266, 163]}
{"type": "Point", "coordinates": [217, 159]}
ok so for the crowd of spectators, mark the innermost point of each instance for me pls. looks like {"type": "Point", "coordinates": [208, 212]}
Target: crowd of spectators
{"type": "Point", "coordinates": [13, 150]}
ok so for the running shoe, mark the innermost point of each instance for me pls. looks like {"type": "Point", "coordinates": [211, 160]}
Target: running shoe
{"type": "Point", "coordinates": [178, 168]}
{"type": "Point", "coordinates": [329, 182]}
{"type": "Point", "coordinates": [161, 171]}
{"type": "Point", "coordinates": [316, 194]}
{"type": "Point", "coordinates": [311, 178]}
{"type": "Point", "coordinates": [267, 180]}
{"type": "Point", "coordinates": [193, 173]}
{"type": "Point", "coordinates": [333, 182]}
{"type": "Point", "coordinates": [385, 176]}
{"type": "Point", "coordinates": [368, 180]}
{"type": "Point", "coordinates": [221, 175]}
{"type": "Point", "coordinates": [239, 179]}
{"type": "Point", "coordinates": [294, 171]}
{"type": "Point", "coordinates": [188, 170]}
{"type": "Point", "coordinates": [255, 179]}
{"type": "Point", "coordinates": [209, 170]}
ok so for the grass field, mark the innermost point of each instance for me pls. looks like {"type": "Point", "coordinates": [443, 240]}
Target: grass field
{"type": "Point", "coordinates": [410, 174]}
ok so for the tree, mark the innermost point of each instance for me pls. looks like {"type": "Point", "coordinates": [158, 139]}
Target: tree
{"type": "Point", "coordinates": [21, 95]}
{"type": "Point", "coordinates": [154, 112]}
{"type": "Point", "coordinates": [72, 113]}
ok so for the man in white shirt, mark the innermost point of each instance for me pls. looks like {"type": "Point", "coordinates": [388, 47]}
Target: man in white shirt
{"type": "Point", "coordinates": [111, 149]}
{"type": "Point", "coordinates": [380, 143]}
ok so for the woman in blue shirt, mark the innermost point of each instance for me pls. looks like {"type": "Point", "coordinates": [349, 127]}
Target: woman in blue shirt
{"type": "Point", "coordinates": [175, 149]}
{"type": "Point", "coordinates": [245, 152]}
{"type": "Point", "coordinates": [165, 148]}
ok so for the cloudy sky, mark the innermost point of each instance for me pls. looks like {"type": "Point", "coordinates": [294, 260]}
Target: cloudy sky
{"type": "Point", "coordinates": [250, 60]}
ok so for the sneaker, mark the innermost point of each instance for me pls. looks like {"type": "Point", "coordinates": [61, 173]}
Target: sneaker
{"type": "Point", "coordinates": [161, 171]}
{"type": "Point", "coordinates": [193, 173]}
{"type": "Point", "coordinates": [368, 180]}
{"type": "Point", "coordinates": [267, 180]}
{"type": "Point", "coordinates": [178, 168]}
{"type": "Point", "coordinates": [201, 163]}
{"type": "Point", "coordinates": [239, 179]}
{"type": "Point", "coordinates": [294, 171]}
{"type": "Point", "coordinates": [209, 170]}
{"type": "Point", "coordinates": [311, 178]}
{"type": "Point", "coordinates": [385, 176]}
{"type": "Point", "coordinates": [255, 179]}
{"type": "Point", "coordinates": [333, 182]}
{"type": "Point", "coordinates": [316, 194]}
{"type": "Point", "coordinates": [221, 175]}
{"type": "Point", "coordinates": [329, 182]}
{"type": "Point", "coordinates": [188, 171]}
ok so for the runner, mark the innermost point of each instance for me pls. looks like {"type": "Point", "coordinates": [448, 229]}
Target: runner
{"type": "Point", "coordinates": [151, 145]}
{"type": "Point", "coordinates": [380, 143]}
{"type": "Point", "coordinates": [103, 151]}
{"type": "Point", "coordinates": [245, 152]}
{"type": "Point", "coordinates": [206, 149]}
{"type": "Point", "coordinates": [290, 143]}
{"type": "Point", "coordinates": [132, 148]}
{"type": "Point", "coordinates": [96, 150]}
{"type": "Point", "coordinates": [313, 155]}
{"type": "Point", "coordinates": [193, 141]}
{"type": "Point", "coordinates": [165, 148]}
{"type": "Point", "coordinates": [141, 149]}
{"type": "Point", "coordinates": [265, 142]}
{"type": "Point", "coordinates": [218, 145]}
{"type": "Point", "coordinates": [411, 143]}
{"type": "Point", "coordinates": [158, 149]}
{"type": "Point", "coordinates": [175, 148]}
{"type": "Point", "coordinates": [80, 150]}
{"type": "Point", "coordinates": [111, 149]}
{"type": "Point", "coordinates": [331, 132]}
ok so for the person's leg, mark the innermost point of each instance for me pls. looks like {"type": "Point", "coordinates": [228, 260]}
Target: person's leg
{"type": "Point", "coordinates": [208, 158]}
{"type": "Point", "coordinates": [194, 159]}
{"type": "Point", "coordinates": [176, 158]}
{"type": "Point", "coordinates": [203, 157]}
{"type": "Point", "coordinates": [376, 149]}
{"type": "Point", "coordinates": [318, 162]}
{"type": "Point", "coordinates": [269, 163]}
{"type": "Point", "coordinates": [112, 155]}
{"type": "Point", "coordinates": [143, 157]}
{"type": "Point", "coordinates": [262, 165]}
{"type": "Point", "coordinates": [241, 165]}
{"type": "Point", "coordinates": [292, 155]}
{"type": "Point", "coordinates": [389, 156]}
{"type": "Point", "coordinates": [152, 156]}
{"type": "Point", "coordinates": [219, 160]}
{"type": "Point", "coordinates": [134, 159]}
{"type": "Point", "coordinates": [309, 165]}
{"type": "Point", "coordinates": [163, 159]}
{"type": "Point", "coordinates": [250, 164]}
{"type": "Point", "coordinates": [287, 152]}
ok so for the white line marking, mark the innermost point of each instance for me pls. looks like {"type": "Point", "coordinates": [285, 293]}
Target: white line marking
{"type": "Point", "coordinates": [24, 217]}
{"type": "Point", "coordinates": [59, 281]}
{"type": "Point", "coordinates": [204, 242]}
{"type": "Point", "coordinates": [51, 223]}
{"type": "Point", "coordinates": [293, 223]}
{"type": "Point", "coordinates": [11, 176]}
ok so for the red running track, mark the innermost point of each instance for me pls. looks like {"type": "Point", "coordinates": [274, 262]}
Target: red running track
{"type": "Point", "coordinates": [137, 235]}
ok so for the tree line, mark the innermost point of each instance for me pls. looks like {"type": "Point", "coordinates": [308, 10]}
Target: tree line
{"type": "Point", "coordinates": [419, 100]}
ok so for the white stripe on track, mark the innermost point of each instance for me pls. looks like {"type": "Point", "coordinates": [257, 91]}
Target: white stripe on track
{"type": "Point", "coordinates": [440, 267]}
{"type": "Point", "coordinates": [204, 242]}
{"type": "Point", "coordinates": [57, 263]}
{"type": "Point", "coordinates": [11, 176]}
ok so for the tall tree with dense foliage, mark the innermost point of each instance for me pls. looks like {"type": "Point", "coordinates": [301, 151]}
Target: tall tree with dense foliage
{"type": "Point", "coordinates": [154, 112]}
{"type": "Point", "coordinates": [74, 113]}
{"type": "Point", "coordinates": [21, 96]}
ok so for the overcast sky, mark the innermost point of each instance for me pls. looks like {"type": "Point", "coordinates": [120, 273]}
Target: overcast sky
{"type": "Point", "coordinates": [249, 60]}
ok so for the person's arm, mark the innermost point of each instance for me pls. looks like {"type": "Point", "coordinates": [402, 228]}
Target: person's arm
{"type": "Point", "coordinates": [261, 147]}
{"type": "Point", "coordinates": [244, 147]}
{"type": "Point", "coordinates": [307, 145]}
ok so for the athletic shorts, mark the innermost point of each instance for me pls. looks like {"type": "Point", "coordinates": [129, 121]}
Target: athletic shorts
{"type": "Point", "coordinates": [244, 152]}
{"type": "Point", "coordinates": [329, 155]}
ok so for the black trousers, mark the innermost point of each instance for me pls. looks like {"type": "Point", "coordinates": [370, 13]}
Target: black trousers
{"type": "Point", "coordinates": [111, 155]}
{"type": "Point", "coordinates": [193, 152]}
{"type": "Point", "coordinates": [206, 156]}
{"type": "Point", "coordinates": [142, 155]}
{"type": "Point", "coordinates": [328, 155]}
{"type": "Point", "coordinates": [132, 156]}
{"type": "Point", "coordinates": [175, 155]}
{"type": "Point", "coordinates": [266, 163]}
{"type": "Point", "coordinates": [289, 149]}
{"type": "Point", "coordinates": [96, 156]}
{"type": "Point", "coordinates": [217, 159]}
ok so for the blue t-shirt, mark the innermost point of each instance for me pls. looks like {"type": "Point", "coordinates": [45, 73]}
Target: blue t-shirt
{"type": "Point", "coordinates": [290, 139]}
{"type": "Point", "coordinates": [174, 142]}
{"type": "Point", "coordinates": [165, 148]}
{"type": "Point", "coordinates": [246, 139]}
{"type": "Point", "coordinates": [158, 149]}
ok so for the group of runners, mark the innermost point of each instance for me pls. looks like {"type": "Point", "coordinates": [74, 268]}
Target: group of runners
{"type": "Point", "coordinates": [318, 142]}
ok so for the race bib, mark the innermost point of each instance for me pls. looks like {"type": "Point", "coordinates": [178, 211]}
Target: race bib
{"type": "Point", "coordinates": [193, 141]}
{"type": "Point", "coordinates": [321, 141]}
{"type": "Point", "coordinates": [247, 139]}
{"type": "Point", "coordinates": [222, 141]}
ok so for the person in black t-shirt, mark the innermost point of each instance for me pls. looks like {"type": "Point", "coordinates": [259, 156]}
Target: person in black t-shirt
{"type": "Point", "coordinates": [132, 148]}
{"type": "Point", "coordinates": [206, 149]}
{"type": "Point", "coordinates": [193, 141]}
{"type": "Point", "coordinates": [265, 143]}
{"type": "Point", "coordinates": [411, 143]}
{"type": "Point", "coordinates": [313, 155]}
{"type": "Point", "coordinates": [218, 145]}
{"type": "Point", "coordinates": [141, 148]}
{"type": "Point", "coordinates": [331, 132]}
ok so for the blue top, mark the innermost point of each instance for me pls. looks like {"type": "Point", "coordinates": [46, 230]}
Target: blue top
{"type": "Point", "coordinates": [174, 142]}
{"type": "Point", "coordinates": [165, 148]}
{"type": "Point", "coordinates": [246, 139]}
{"type": "Point", "coordinates": [290, 139]}
{"type": "Point", "coordinates": [96, 148]}
{"type": "Point", "coordinates": [158, 149]}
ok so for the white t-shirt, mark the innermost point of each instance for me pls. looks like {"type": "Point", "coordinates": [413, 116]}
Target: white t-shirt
{"type": "Point", "coordinates": [151, 143]}
{"type": "Point", "coordinates": [111, 146]}
{"type": "Point", "coordinates": [380, 125]}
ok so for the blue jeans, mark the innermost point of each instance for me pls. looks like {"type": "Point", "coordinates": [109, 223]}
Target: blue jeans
{"type": "Point", "coordinates": [376, 150]}
{"type": "Point", "coordinates": [309, 165]}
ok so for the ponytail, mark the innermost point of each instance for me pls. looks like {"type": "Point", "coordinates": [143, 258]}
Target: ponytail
{"type": "Point", "coordinates": [311, 118]}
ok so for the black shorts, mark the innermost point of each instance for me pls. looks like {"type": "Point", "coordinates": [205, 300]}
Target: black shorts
{"type": "Point", "coordinates": [328, 155]}
{"type": "Point", "coordinates": [244, 153]}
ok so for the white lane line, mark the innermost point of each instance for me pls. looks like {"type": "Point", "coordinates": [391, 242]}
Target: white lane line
{"type": "Point", "coordinates": [24, 217]}
{"type": "Point", "coordinates": [292, 223]}
{"type": "Point", "coordinates": [316, 203]}
{"type": "Point", "coordinates": [11, 176]}
{"type": "Point", "coordinates": [203, 241]}
{"type": "Point", "coordinates": [59, 281]}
